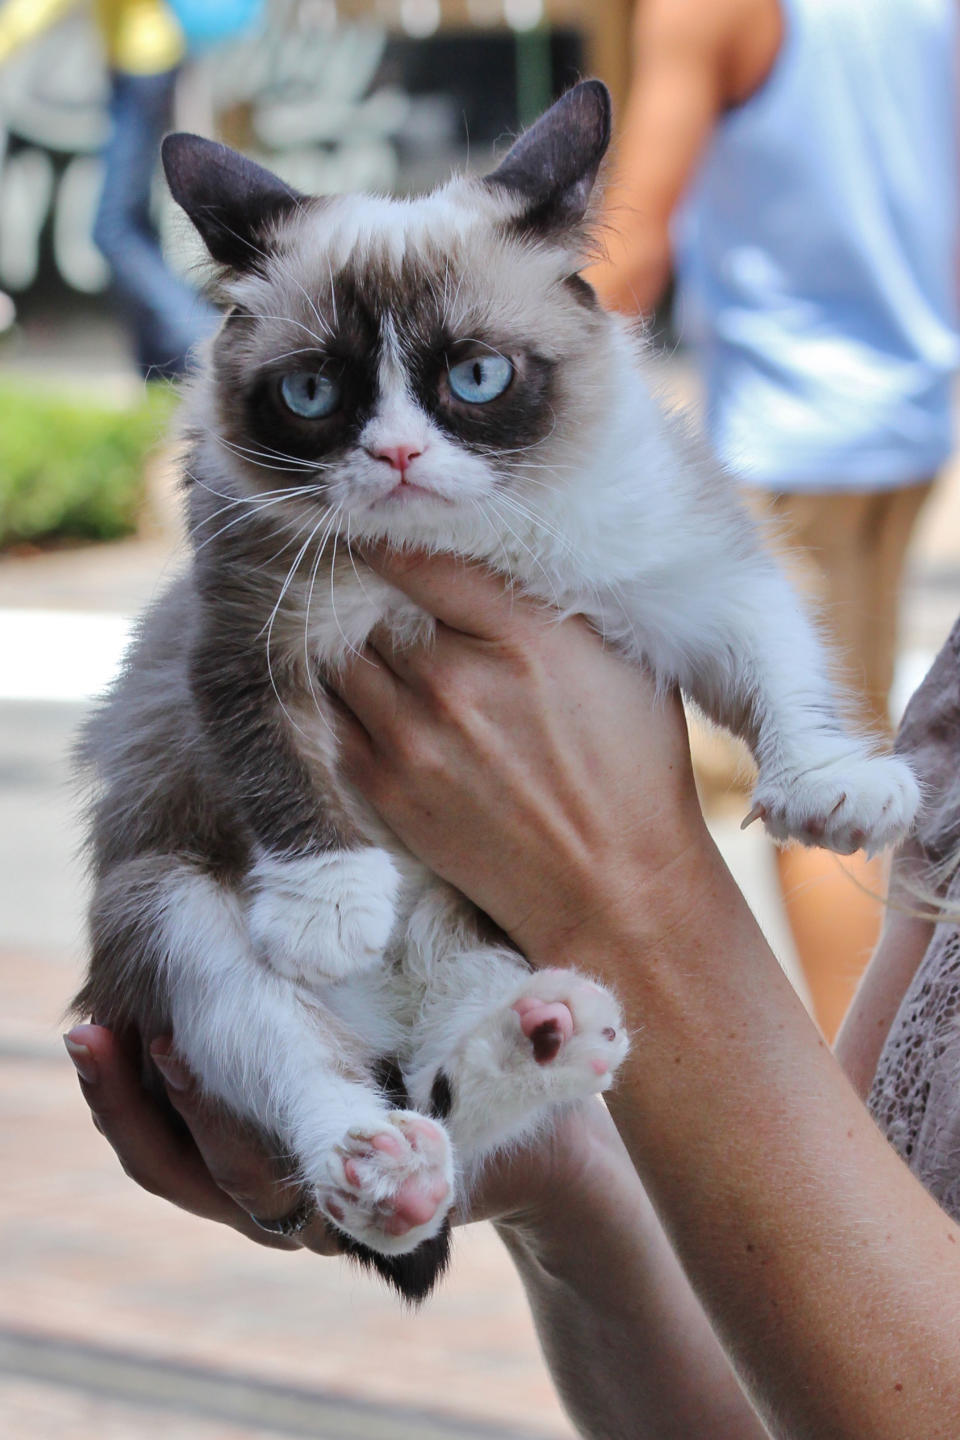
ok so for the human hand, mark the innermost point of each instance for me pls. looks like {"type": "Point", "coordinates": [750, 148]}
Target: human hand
{"type": "Point", "coordinates": [221, 1170]}
{"type": "Point", "coordinates": [214, 1167]}
{"type": "Point", "coordinates": [531, 767]}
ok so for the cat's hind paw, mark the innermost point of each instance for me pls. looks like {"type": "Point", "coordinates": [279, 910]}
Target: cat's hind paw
{"type": "Point", "coordinates": [850, 801]}
{"type": "Point", "coordinates": [573, 1024]}
{"type": "Point", "coordinates": [320, 918]}
{"type": "Point", "coordinates": [557, 1038]}
{"type": "Point", "coordinates": [389, 1185]}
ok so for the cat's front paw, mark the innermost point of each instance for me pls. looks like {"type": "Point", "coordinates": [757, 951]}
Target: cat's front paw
{"type": "Point", "coordinates": [389, 1185]}
{"type": "Point", "coordinates": [323, 917]}
{"type": "Point", "coordinates": [844, 801]}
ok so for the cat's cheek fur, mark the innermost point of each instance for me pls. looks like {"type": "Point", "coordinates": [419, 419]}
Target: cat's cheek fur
{"type": "Point", "coordinates": [324, 917]}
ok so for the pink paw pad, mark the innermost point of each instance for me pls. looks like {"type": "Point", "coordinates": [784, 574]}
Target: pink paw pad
{"type": "Point", "coordinates": [547, 1025]}
{"type": "Point", "coordinates": [394, 1181]}
{"type": "Point", "coordinates": [575, 1030]}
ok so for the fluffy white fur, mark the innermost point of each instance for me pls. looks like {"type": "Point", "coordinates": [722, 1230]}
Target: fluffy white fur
{"type": "Point", "coordinates": [323, 917]}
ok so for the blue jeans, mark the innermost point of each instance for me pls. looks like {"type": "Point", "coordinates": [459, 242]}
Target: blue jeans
{"type": "Point", "coordinates": [166, 317]}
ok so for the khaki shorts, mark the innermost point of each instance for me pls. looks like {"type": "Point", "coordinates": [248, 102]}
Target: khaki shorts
{"type": "Point", "coordinates": [846, 553]}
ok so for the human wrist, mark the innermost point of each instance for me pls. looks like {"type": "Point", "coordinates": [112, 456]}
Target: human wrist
{"type": "Point", "coordinates": [559, 1190]}
{"type": "Point", "coordinates": [640, 906]}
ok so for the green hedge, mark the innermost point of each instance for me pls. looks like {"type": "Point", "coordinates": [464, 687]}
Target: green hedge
{"type": "Point", "coordinates": [72, 467]}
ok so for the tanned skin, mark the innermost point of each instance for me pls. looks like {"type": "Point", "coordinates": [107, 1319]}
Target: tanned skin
{"type": "Point", "coordinates": [692, 62]}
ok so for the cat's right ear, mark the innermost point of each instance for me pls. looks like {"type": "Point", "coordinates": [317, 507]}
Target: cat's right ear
{"type": "Point", "coordinates": [230, 199]}
{"type": "Point", "coordinates": [552, 168]}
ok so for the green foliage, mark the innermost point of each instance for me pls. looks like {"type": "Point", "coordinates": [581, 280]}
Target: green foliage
{"type": "Point", "coordinates": [72, 467]}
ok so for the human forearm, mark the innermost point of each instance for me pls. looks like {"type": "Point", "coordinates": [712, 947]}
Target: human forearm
{"type": "Point", "coordinates": [676, 96]}
{"type": "Point", "coordinates": [903, 944]}
{"type": "Point", "coordinates": [830, 1276]}
{"type": "Point", "coordinates": [634, 272]}
{"type": "Point", "coordinates": [628, 1345]}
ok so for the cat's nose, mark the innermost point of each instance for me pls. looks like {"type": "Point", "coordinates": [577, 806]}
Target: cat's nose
{"type": "Point", "coordinates": [399, 456]}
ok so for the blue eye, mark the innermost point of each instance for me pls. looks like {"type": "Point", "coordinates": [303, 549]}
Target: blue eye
{"type": "Point", "coordinates": [480, 379]}
{"type": "Point", "coordinates": [310, 394]}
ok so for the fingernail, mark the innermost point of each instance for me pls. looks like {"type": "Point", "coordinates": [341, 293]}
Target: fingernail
{"type": "Point", "coordinates": [175, 1074]}
{"type": "Point", "coordinates": [79, 1053]}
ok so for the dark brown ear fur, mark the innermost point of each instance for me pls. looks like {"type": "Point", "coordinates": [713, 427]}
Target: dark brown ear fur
{"type": "Point", "coordinates": [231, 200]}
{"type": "Point", "coordinates": [554, 164]}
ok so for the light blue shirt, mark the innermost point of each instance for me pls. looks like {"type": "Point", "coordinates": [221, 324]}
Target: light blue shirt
{"type": "Point", "coordinates": [817, 253]}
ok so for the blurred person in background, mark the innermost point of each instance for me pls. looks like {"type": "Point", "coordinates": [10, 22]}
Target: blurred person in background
{"type": "Point", "coordinates": [794, 162]}
{"type": "Point", "coordinates": [145, 42]}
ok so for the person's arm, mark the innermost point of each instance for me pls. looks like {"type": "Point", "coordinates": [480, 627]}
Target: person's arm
{"type": "Point", "coordinates": [510, 756]}
{"type": "Point", "coordinates": [630, 1350]}
{"type": "Point", "coordinates": [929, 737]}
{"type": "Point", "coordinates": [903, 944]}
{"type": "Point", "coordinates": [690, 62]}
{"type": "Point", "coordinates": [507, 756]}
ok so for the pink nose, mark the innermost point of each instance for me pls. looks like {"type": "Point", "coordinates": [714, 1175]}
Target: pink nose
{"type": "Point", "coordinates": [399, 456]}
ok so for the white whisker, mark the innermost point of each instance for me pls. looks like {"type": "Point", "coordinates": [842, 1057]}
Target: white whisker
{"type": "Point", "coordinates": [272, 620]}
{"type": "Point", "coordinates": [535, 559]}
{"type": "Point", "coordinates": [333, 598]}
{"type": "Point", "coordinates": [308, 658]}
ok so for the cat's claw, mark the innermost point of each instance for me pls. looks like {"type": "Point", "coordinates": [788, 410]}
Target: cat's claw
{"type": "Point", "coordinates": [757, 813]}
{"type": "Point", "coordinates": [390, 1186]}
{"type": "Point", "coordinates": [844, 803]}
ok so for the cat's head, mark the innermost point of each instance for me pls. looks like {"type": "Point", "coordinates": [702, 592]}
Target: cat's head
{"type": "Point", "coordinates": [416, 365]}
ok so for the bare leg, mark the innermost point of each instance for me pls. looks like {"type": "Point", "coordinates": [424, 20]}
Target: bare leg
{"type": "Point", "coordinates": [848, 554]}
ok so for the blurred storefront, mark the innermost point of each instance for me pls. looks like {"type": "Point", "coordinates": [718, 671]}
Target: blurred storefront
{"type": "Point", "coordinates": [334, 94]}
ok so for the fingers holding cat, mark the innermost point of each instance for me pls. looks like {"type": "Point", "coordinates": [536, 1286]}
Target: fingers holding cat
{"type": "Point", "coordinates": [461, 595]}
{"type": "Point", "coordinates": [505, 756]}
{"type": "Point", "coordinates": [222, 1172]}
{"type": "Point", "coordinates": [217, 1170]}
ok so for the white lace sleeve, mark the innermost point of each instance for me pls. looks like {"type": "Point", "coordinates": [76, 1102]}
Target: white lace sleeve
{"type": "Point", "coordinates": [915, 1096]}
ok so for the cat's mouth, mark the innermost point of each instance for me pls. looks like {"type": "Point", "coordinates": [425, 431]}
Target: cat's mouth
{"type": "Point", "coordinates": [406, 491]}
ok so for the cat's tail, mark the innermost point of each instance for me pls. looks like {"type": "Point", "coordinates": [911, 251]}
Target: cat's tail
{"type": "Point", "coordinates": [414, 1275]}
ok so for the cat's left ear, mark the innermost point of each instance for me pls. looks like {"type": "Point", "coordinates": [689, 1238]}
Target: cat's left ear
{"type": "Point", "coordinates": [230, 199]}
{"type": "Point", "coordinates": [554, 164]}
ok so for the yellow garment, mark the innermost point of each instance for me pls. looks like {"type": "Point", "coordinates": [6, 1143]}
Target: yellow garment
{"type": "Point", "coordinates": [142, 37]}
{"type": "Point", "coordinates": [21, 20]}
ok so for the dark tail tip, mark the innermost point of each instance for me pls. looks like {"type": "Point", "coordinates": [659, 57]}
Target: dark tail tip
{"type": "Point", "coordinates": [413, 1276]}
